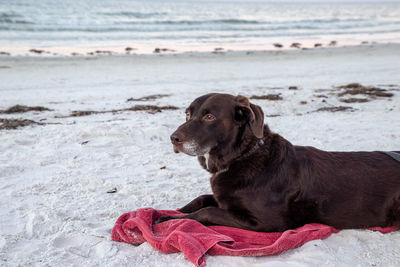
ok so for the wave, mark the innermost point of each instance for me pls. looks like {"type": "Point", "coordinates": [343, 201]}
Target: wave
{"type": "Point", "coordinates": [243, 21]}
{"type": "Point", "coordinates": [178, 34]}
{"type": "Point", "coordinates": [148, 30]}
{"type": "Point", "coordinates": [12, 21]}
{"type": "Point", "coordinates": [13, 18]}
{"type": "Point", "coordinates": [205, 26]}
{"type": "Point", "coordinates": [9, 15]}
{"type": "Point", "coordinates": [138, 15]}
{"type": "Point", "coordinates": [236, 21]}
{"type": "Point", "coordinates": [8, 19]}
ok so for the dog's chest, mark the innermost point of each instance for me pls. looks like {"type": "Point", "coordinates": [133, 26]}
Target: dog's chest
{"type": "Point", "coordinates": [223, 190]}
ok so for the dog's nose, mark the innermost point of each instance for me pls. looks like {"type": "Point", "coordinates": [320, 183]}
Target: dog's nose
{"type": "Point", "coordinates": [177, 138]}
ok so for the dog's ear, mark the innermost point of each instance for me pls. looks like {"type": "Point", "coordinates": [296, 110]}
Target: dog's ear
{"type": "Point", "coordinates": [245, 112]}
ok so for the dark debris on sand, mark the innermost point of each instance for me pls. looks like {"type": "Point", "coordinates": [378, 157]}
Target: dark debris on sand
{"type": "Point", "coordinates": [147, 98]}
{"type": "Point", "coordinates": [321, 96]}
{"type": "Point", "coordinates": [129, 49]}
{"type": "Point", "coordinates": [103, 52]}
{"type": "Point", "coordinates": [295, 45]}
{"type": "Point", "coordinates": [332, 43]}
{"type": "Point", "coordinates": [81, 113]}
{"type": "Point", "coordinates": [37, 51]}
{"type": "Point", "coordinates": [7, 124]}
{"type": "Point", "coordinates": [356, 89]}
{"type": "Point", "coordinates": [112, 190]}
{"type": "Point", "coordinates": [355, 100]}
{"type": "Point", "coordinates": [160, 50]}
{"type": "Point", "coordinates": [23, 109]}
{"type": "Point", "coordinates": [149, 108]}
{"type": "Point", "coordinates": [335, 109]}
{"type": "Point", "coordinates": [271, 97]}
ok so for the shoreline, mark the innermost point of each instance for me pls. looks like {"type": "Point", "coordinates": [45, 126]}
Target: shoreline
{"type": "Point", "coordinates": [39, 51]}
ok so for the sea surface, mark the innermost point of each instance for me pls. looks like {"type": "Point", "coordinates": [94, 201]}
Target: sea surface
{"type": "Point", "coordinates": [192, 25]}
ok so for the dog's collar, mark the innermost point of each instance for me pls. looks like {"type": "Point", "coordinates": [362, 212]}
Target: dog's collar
{"type": "Point", "coordinates": [259, 143]}
{"type": "Point", "coordinates": [221, 171]}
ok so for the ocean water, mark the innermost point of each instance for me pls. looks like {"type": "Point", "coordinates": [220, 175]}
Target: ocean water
{"type": "Point", "coordinates": [191, 25]}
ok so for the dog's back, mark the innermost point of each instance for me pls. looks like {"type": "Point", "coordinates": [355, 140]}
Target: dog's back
{"type": "Point", "coordinates": [351, 189]}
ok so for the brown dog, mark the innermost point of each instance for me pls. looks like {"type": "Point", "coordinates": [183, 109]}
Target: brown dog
{"type": "Point", "coordinates": [261, 182]}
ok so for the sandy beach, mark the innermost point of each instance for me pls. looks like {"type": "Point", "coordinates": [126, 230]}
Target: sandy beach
{"type": "Point", "coordinates": [59, 165]}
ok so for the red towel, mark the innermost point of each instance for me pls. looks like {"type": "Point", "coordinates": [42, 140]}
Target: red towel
{"type": "Point", "coordinates": [195, 239]}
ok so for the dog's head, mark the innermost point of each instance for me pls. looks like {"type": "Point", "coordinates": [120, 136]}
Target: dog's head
{"type": "Point", "coordinates": [218, 123]}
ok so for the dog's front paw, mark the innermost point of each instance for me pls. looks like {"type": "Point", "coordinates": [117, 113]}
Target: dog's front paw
{"type": "Point", "coordinates": [164, 219]}
{"type": "Point", "coordinates": [184, 210]}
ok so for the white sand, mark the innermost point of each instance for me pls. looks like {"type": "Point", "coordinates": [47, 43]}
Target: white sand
{"type": "Point", "coordinates": [55, 209]}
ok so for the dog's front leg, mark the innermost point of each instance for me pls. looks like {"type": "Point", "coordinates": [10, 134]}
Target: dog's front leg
{"type": "Point", "coordinates": [212, 216]}
{"type": "Point", "coordinates": [199, 203]}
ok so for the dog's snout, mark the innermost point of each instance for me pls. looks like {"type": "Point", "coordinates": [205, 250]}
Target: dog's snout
{"type": "Point", "coordinates": [177, 138]}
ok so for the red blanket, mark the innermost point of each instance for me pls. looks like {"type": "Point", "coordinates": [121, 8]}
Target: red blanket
{"type": "Point", "coordinates": [195, 239]}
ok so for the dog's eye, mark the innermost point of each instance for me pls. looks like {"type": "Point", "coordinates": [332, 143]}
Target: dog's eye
{"type": "Point", "coordinates": [187, 116]}
{"type": "Point", "coordinates": [209, 117]}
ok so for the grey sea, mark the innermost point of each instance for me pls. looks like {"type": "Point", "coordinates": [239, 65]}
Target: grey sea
{"type": "Point", "coordinates": [191, 25]}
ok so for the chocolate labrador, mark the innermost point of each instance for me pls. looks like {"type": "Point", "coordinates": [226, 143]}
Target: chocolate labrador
{"type": "Point", "coordinates": [261, 182]}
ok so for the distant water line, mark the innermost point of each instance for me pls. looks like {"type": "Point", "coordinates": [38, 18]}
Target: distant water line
{"type": "Point", "coordinates": [91, 24]}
